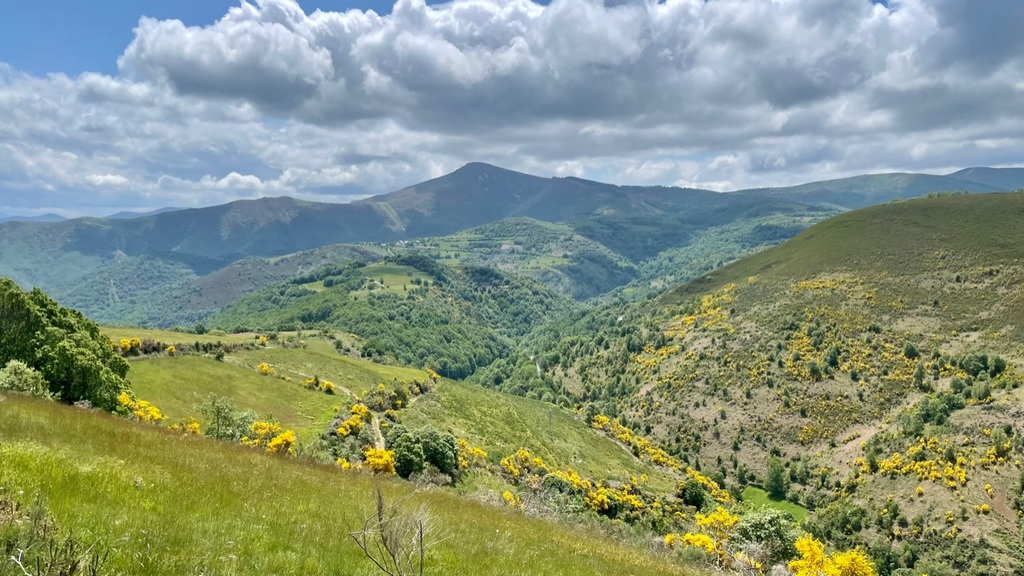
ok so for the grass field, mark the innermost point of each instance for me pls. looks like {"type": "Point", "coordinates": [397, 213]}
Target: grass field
{"type": "Point", "coordinates": [757, 497]}
{"type": "Point", "coordinates": [394, 278]}
{"type": "Point", "coordinates": [116, 333]}
{"type": "Point", "coordinates": [501, 424]}
{"type": "Point", "coordinates": [178, 384]}
{"type": "Point", "coordinates": [320, 359]}
{"type": "Point", "coordinates": [164, 504]}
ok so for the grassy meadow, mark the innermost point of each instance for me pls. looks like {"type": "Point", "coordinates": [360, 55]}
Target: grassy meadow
{"type": "Point", "coordinates": [501, 424]}
{"type": "Point", "coordinates": [116, 333]}
{"type": "Point", "coordinates": [757, 497]}
{"type": "Point", "coordinates": [162, 503]}
{"type": "Point", "coordinates": [177, 385]}
{"type": "Point", "coordinates": [498, 423]}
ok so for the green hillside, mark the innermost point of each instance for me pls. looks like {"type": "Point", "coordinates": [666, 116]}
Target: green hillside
{"type": "Point", "coordinates": [551, 253]}
{"type": "Point", "coordinates": [413, 312]}
{"type": "Point", "coordinates": [932, 240]}
{"type": "Point", "coordinates": [502, 424]}
{"type": "Point", "coordinates": [498, 423]}
{"type": "Point", "coordinates": [152, 501]}
{"type": "Point", "coordinates": [865, 374]}
{"type": "Point", "coordinates": [871, 189]}
{"type": "Point", "coordinates": [155, 291]}
{"type": "Point", "coordinates": [875, 358]}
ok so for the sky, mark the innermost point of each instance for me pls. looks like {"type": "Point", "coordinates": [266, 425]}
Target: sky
{"type": "Point", "coordinates": [118, 105]}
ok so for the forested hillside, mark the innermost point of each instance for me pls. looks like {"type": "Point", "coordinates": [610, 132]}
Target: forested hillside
{"type": "Point", "coordinates": [409, 310]}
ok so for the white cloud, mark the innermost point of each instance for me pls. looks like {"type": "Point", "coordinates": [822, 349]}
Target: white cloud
{"type": "Point", "coordinates": [106, 180]}
{"type": "Point", "coordinates": [723, 94]}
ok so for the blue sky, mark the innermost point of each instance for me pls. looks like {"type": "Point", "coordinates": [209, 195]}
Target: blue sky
{"type": "Point", "coordinates": [74, 36]}
{"type": "Point", "coordinates": [118, 105]}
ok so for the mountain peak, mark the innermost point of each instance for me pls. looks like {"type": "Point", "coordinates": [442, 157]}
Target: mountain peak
{"type": "Point", "coordinates": [477, 166]}
{"type": "Point", "coordinates": [484, 169]}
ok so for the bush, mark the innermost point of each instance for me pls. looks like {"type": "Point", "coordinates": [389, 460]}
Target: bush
{"type": "Point", "coordinates": [19, 377]}
{"type": "Point", "coordinates": [910, 351]}
{"type": "Point", "coordinates": [772, 529]}
{"type": "Point", "coordinates": [380, 461]}
{"type": "Point", "coordinates": [408, 455]}
{"type": "Point", "coordinates": [692, 493]}
{"type": "Point", "coordinates": [223, 422]}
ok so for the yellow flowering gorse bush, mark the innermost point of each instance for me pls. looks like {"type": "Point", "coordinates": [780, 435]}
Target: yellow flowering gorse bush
{"type": "Point", "coordinates": [141, 410]}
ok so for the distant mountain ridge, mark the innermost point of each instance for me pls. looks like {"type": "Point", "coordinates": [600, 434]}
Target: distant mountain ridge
{"type": "Point", "coordinates": [636, 223]}
{"type": "Point", "coordinates": [128, 214]}
{"type": "Point", "coordinates": [40, 218]}
{"type": "Point", "coordinates": [483, 193]}
{"type": "Point", "coordinates": [869, 189]}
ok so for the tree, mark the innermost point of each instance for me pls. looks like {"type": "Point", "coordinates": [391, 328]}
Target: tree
{"type": "Point", "coordinates": [919, 377]}
{"type": "Point", "coordinates": [776, 481]}
{"type": "Point", "coordinates": [223, 422]}
{"type": "Point", "coordinates": [439, 450]}
{"type": "Point", "coordinates": [64, 346]}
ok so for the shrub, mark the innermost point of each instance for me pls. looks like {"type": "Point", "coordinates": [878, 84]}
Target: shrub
{"type": "Point", "coordinates": [283, 443]}
{"type": "Point", "coordinates": [380, 461]}
{"type": "Point", "coordinates": [772, 529]}
{"type": "Point", "coordinates": [409, 458]}
{"type": "Point", "coordinates": [261, 432]}
{"type": "Point", "coordinates": [910, 351]}
{"type": "Point", "coordinates": [140, 410]}
{"type": "Point", "coordinates": [692, 493]}
{"type": "Point", "coordinates": [223, 422]}
{"type": "Point", "coordinates": [19, 377]}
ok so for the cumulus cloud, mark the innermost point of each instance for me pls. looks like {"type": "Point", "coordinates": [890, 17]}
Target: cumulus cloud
{"type": "Point", "coordinates": [723, 94]}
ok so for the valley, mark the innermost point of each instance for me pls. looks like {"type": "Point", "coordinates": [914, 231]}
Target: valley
{"type": "Point", "coordinates": [607, 379]}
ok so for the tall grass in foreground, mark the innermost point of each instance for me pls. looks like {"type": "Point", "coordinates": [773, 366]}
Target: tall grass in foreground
{"type": "Point", "coordinates": [162, 503]}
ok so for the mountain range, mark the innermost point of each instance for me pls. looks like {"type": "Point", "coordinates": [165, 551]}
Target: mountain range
{"type": "Point", "coordinates": [40, 218]}
{"type": "Point", "coordinates": [174, 258]}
